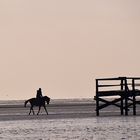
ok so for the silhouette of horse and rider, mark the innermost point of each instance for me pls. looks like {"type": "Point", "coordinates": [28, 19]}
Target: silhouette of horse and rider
{"type": "Point", "coordinates": [38, 101]}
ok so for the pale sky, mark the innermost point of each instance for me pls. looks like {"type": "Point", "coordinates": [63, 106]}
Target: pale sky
{"type": "Point", "coordinates": [62, 46]}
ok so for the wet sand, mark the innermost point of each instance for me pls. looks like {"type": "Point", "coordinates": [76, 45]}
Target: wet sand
{"type": "Point", "coordinates": [67, 120]}
{"type": "Point", "coordinates": [56, 111]}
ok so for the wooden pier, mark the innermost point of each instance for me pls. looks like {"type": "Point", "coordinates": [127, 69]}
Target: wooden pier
{"type": "Point", "coordinates": [122, 90]}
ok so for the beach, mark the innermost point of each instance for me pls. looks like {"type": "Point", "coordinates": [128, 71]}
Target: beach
{"type": "Point", "coordinates": [68, 119]}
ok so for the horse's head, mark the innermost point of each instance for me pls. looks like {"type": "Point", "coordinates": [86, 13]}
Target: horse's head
{"type": "Point", "coordinates": [47, 99]}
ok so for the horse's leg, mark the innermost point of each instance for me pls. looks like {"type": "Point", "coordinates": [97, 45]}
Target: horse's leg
{"type": "Point", "coordinates": [39, 110]}
{"type": "Point", "coordinates": [30, 110]}
{"type": "Point", "coordinates": [45, 109]}
{"type": "Point", "coordinates": [33, 111]}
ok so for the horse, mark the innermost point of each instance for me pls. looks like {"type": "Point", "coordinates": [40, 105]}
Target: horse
{"type": "Point", "coordinates": [36, 102]}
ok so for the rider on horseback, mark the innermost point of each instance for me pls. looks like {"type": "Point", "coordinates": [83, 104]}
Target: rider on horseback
{"type": "Point", "coordinates": [39, 95]}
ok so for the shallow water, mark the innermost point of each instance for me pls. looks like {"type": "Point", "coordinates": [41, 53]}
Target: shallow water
{"type": "Point", "coordinates": [96, 128]}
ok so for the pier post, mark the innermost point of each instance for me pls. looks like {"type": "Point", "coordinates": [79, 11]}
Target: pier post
{"type": "Point", "coordinates": [126, 97]}
{"type": "Point", "coordinates": [122, 97]}
{"type": "Point", "coordinates": [97, 99]}
{"type": "Point", "coordinates": [134, 97]}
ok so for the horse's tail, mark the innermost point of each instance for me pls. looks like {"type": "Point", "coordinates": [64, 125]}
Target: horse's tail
{"type": "Point", "coordinates": [26, 103]}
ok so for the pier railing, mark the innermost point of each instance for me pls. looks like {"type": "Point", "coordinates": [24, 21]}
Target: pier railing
{"type": "Point", "coordinates": [124, 89]}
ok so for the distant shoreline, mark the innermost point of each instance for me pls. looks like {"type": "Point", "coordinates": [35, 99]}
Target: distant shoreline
{"type": "Point", "coordinates": [53, 101]}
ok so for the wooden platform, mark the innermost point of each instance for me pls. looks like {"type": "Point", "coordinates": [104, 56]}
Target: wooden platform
{"type": "Point", "coordinates": [122, 91]}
